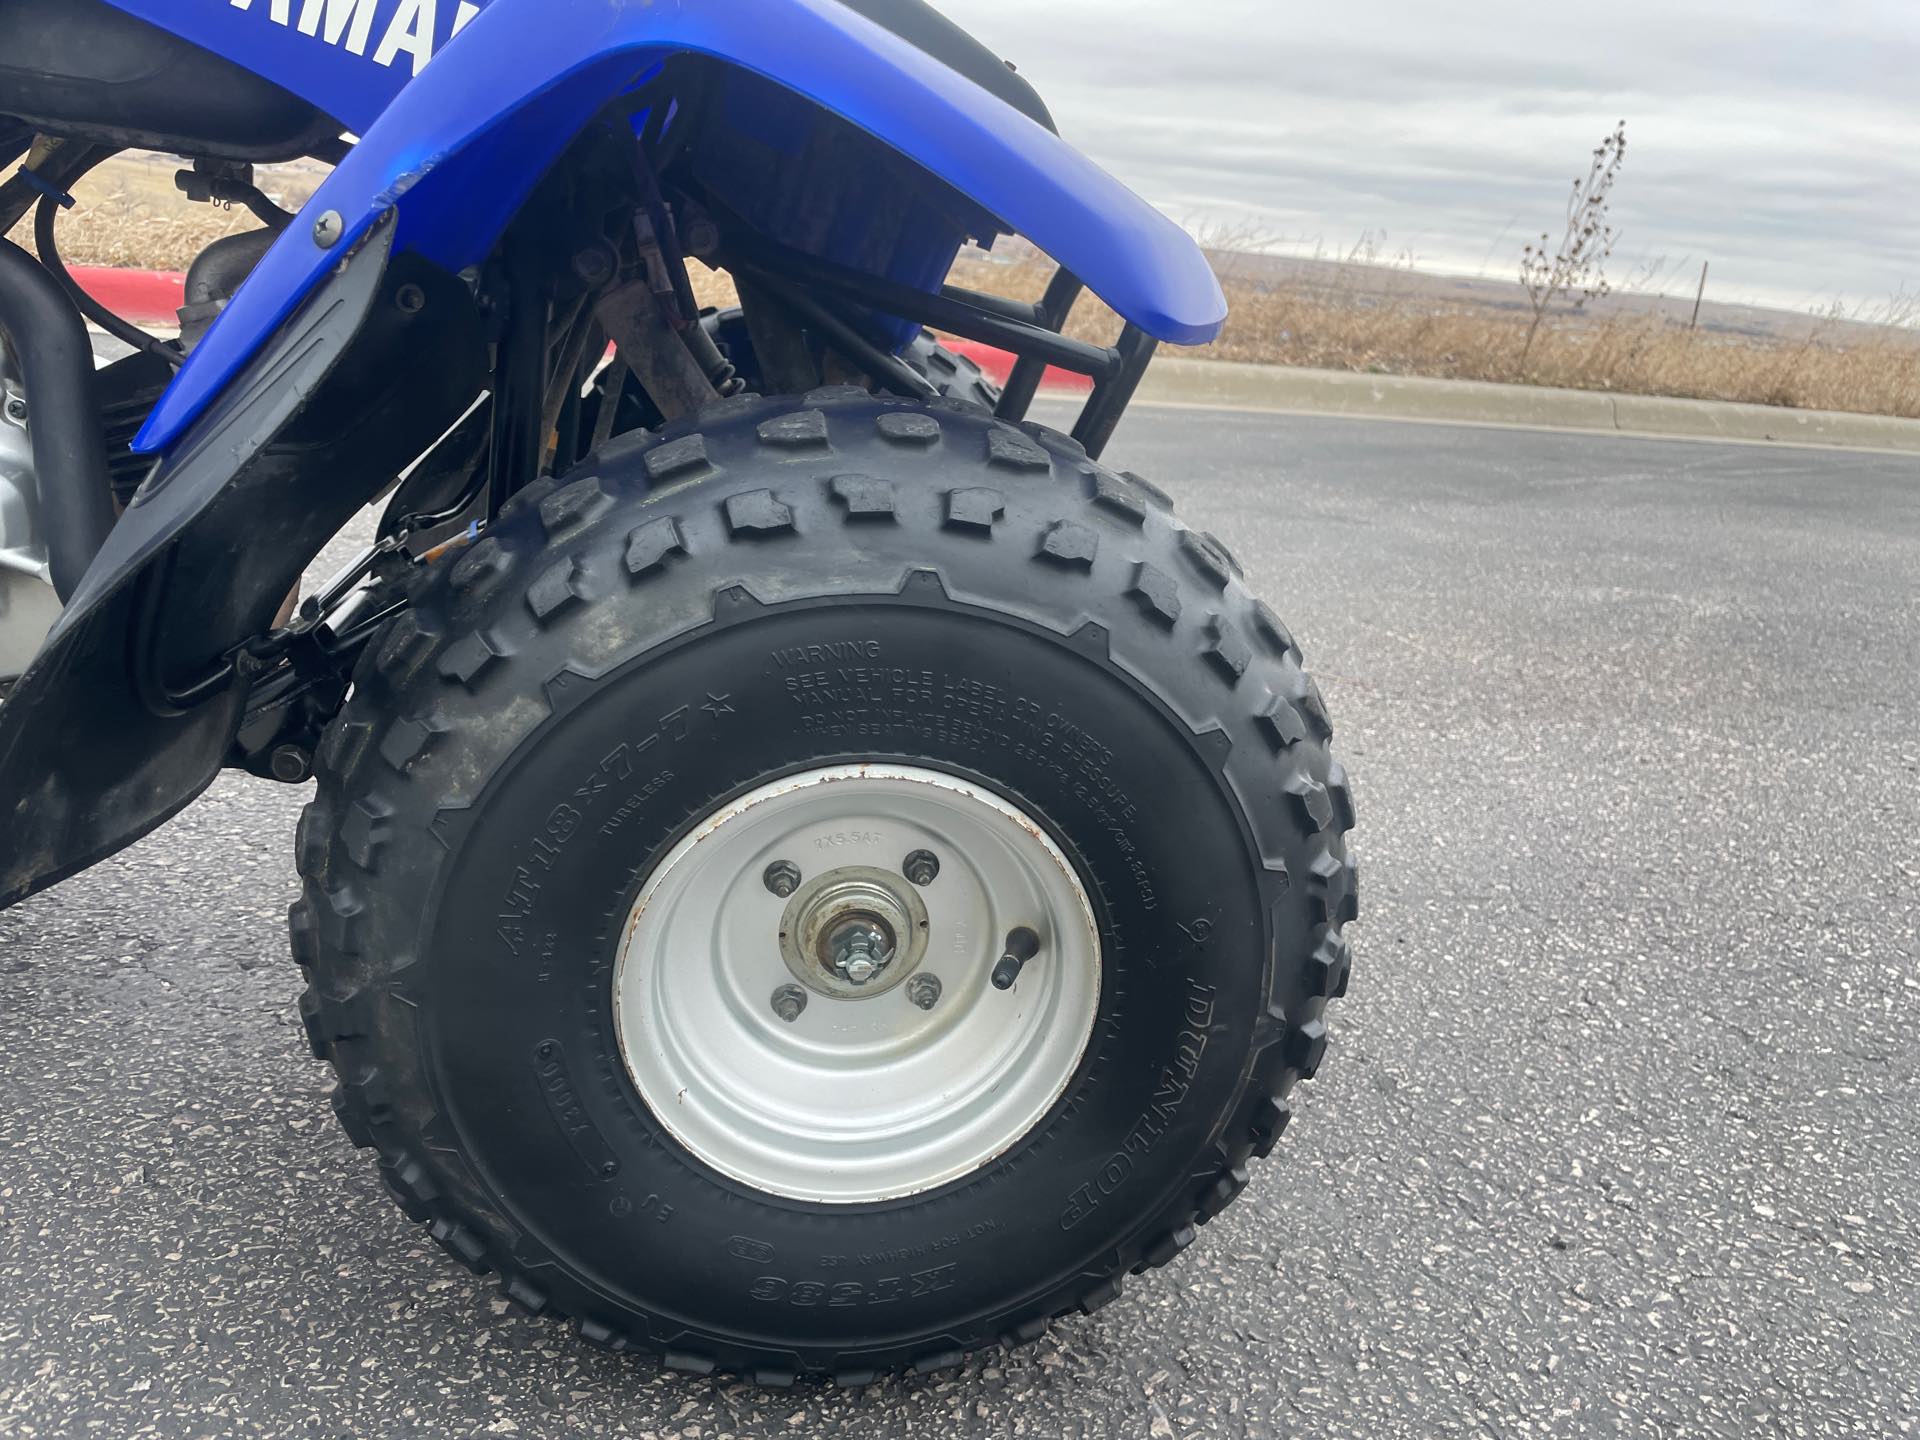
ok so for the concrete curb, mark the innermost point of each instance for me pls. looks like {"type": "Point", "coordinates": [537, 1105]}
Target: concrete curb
{"type": "Point", "coordinates": [1174, 380]}
{"type": "Point", "coordinates": [151, 297]}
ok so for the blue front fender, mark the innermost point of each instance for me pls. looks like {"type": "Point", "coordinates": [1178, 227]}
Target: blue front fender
{"type": "Point", "coordinates": [459, 148]}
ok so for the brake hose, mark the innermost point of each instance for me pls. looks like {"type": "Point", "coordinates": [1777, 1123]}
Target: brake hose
{"type": "Point", "coordinates": [43, 218]}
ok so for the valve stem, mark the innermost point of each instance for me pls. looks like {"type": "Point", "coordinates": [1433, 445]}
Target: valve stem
{"type": "Point", "coordinates": [1021, 946]}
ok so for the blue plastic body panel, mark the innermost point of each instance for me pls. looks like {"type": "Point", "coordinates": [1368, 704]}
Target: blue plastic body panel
{"type": "Point", "coordinates": [457, 148]}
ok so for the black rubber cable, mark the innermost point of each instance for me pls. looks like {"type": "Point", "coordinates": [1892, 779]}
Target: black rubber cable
{"type": "Point", "coordinates": [255, 199]}
{"type": "Point", "coordinates": [120, 329]}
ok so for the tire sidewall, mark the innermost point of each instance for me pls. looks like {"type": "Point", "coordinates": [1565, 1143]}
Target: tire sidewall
{"type": "Point", "coordinates": [517, 944]}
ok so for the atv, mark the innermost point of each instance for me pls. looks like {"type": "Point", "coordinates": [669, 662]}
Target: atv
{"type": "Point", "coordinates": [808, 872]}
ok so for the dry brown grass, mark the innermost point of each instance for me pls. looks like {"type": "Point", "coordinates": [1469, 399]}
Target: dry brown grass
{"type": "Point", "coordinates": [130, 215]}
{"type": "Point", "coordinates": [1873, 370]}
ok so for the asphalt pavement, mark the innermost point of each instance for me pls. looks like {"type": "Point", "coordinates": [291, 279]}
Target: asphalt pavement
{"type": "Point", "coordinates": [1618, 1134]}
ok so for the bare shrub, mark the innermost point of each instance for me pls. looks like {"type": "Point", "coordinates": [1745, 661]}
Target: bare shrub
{"type": "Point", "coordinates": [1577, 265]}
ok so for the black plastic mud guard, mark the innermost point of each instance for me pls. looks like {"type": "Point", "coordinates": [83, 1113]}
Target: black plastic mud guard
{"type": "Point", "coordinates": [128, 711]}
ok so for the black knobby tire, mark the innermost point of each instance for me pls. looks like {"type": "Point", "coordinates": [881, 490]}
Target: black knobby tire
{"type": "Point", "coordinates": [955, 376]}
{"type": "Point", "coordinates": [570, 694]}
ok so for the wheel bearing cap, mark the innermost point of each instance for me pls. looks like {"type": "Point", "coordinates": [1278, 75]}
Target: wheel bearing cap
{"type": "Point", "coordinates": [854, 932]}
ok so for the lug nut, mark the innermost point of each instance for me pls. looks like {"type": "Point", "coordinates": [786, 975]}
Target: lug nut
{"type": "Point", "coordinates": [1022, 945]}
{"type": "Point", "coordinates": [788, 1002]}
{"type": "Point", "coordinates": [921, 867]}
{"type": "Point", "coordinates": [782, 877]}
{"type": "Point", "coordinates": [924, 991]}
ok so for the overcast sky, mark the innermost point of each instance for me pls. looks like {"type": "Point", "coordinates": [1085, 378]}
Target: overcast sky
{"type": "Point", "coordinates": [1779, 139]}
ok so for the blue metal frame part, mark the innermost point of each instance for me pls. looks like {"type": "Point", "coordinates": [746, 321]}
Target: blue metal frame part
{"type": "Point", "coordinates": [456, 150]}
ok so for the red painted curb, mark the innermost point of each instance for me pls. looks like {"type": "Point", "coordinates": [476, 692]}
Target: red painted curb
{"type": "Point", "coordinates": [151, 297]}
{"type": "Point", "coordinates": [998, 364]}
{"type": "Point", "coordinates": [146, 297]}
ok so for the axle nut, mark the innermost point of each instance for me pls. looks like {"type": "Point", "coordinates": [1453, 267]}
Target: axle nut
{"type": "Point", "coordinates": [859, 949]}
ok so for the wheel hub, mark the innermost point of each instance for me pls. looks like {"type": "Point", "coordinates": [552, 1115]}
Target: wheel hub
{"type": "Point", "coordinates": [804, 998]}
{"type": "Point", "coordinates": [853, 932]}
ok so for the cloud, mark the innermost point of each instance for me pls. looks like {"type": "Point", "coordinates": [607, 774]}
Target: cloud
{"type": "Point", "coordinates": [1780, 141]}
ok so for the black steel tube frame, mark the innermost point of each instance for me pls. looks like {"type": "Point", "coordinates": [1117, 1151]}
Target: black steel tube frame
{"type": "Point", "coordinates": [1031, 332]}
{"type": "Point", "coordinates": [889, 370]}
{"type": "Point", "coordinates": [1017, 395]}
{"type": "Point", "coordinates": [1111, 396]}
{"type": "Point", "coordinates": [49, 343]}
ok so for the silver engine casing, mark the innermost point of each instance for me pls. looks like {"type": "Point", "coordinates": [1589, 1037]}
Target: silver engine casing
{"type": "Point", "coordinates": [28, 605]}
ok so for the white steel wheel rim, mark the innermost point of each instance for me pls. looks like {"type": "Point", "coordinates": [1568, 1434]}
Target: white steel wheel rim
{"type": "Point", "coordinates": [864, 1095]}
